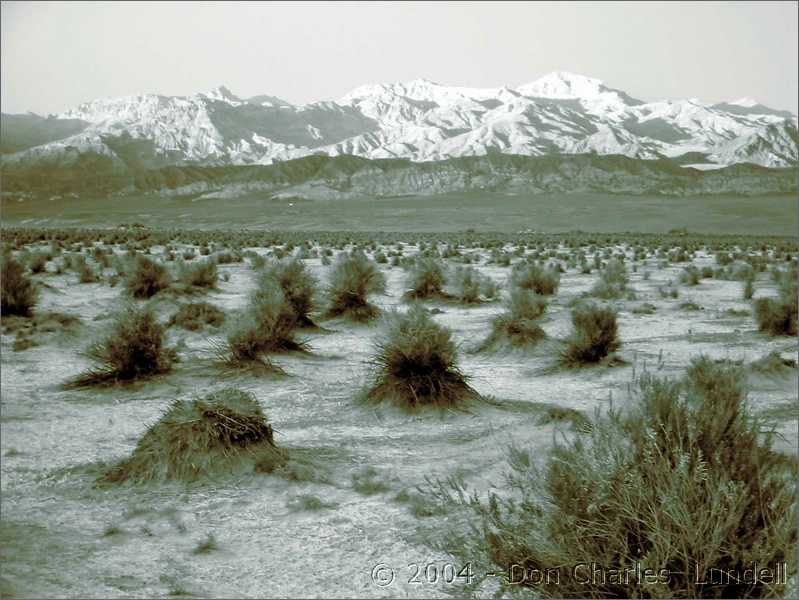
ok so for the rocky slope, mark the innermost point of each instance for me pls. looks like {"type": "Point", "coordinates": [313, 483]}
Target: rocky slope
{"type": "Point", "coordinates": [330, 178]}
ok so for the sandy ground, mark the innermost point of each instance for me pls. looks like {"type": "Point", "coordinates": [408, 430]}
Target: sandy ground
{"type": "Point", "coordinates": [64, 537]}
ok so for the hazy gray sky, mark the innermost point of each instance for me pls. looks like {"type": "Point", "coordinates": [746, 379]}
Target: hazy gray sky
{"type": "Point", "coordinates": [56, 55]}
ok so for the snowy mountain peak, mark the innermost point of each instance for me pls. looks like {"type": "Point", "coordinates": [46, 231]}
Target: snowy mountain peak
{"type": "Point", "coordinates": [564, 85]}
{"type": "Point", "coordinates": [745, 102]}
{"type": "Point", "coordinates": [223, 94]}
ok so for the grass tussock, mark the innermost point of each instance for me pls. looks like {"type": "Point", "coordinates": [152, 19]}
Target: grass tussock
{"type": "Point", "coordinates": [147, 278]}
{"type": "Point", "coordinates": [134, 349]}
{"type": "Point", "coordinates": [518, 326]}
{"type": "Point", "coordinates": [612, 282]}
{"type": "Point", "coordinates": [298, 285]}
{"type": "Point", "coordinates": [18, 294]}
{"type": "Point", "coordinates": [772, 363]}
{"type": "Point", "coordinates": [544, 282]}
{"type": "Point", "coordinates": [777, 316]}
{"type": "Point", "coordinates": [223, 433]}
{"type": "Point", "coordinates": [417, 363]}
{"type": "Point", "coordinates": [352, 279]}
{"type": "Point", "coordinates": [193, 316]}
{"type": "Point", "coordinates": [470, 286]}
{"type": "Point", "coordinates": [201, 275]}
{"type": "Point", "coordinates": [594, 336]}
{"type": "Point", "coordinates": [686, 483]}
{"type": "Point", "coordinates": [268, 326]}
{"type": "Point", "coordinates": [426, 280]}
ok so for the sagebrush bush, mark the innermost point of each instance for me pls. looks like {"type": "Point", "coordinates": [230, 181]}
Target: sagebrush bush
{"type": "Point", "coordinates": [518, 326]}
{"type": "Point", "coordinates": [544, 282]}
{"type": "Point", "coordinates": [352, 279]}
{"type": "Point", "coordinates": [224, 433]}
{"type": "Point", "coordinates": [778, 316]}
{"type": "Point", "coordinates": [425, 280]}
{"type": "Point", "coordinates": [19, 294]}
{"type": "Point", "coordinates": [147, 278]}
{"type": "Point", "coordinates": [195, 315]}
{"type": "Point", "coordinates": [594, 335]}
{"type": "Point", "coordinates": [135, 348]}
{"type": "Point", "coordinates": [685, 482]}
{"type": "Point", "coordinates": [298, 285]}
{"type": "Point", "coordinates": [417, 363]}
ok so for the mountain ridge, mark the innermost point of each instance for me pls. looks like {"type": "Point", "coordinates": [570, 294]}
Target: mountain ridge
{"type": "Point", "coordinates": [559, 113]}
{"type": "Point", "coordinates": [114, 144]}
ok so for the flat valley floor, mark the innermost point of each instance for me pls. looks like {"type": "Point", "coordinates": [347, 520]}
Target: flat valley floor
{"type": "Point", "coordinates": [591, 212]}
{"type": "Point", "coordinates": [322, 536]}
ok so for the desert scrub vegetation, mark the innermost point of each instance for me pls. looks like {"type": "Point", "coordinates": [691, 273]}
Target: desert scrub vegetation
{"type": "Point", "coordinates": [85, 271]}
{"type": "Point", "coordinates": [425, 280]}
{"type": "Point", "coordinates": [612, 282]}
{"type": "Point", "coordinates": [777, 316]}
{"type": "Point", "coordinates": [147, 278]}
{"type": "Point", "coordinates": [298, 285]}
{"type": "Point", "coordinates": [267, 326]}
{"type": "Point", "coordinates": [470, 286]}
{"type": "Point", "coordinates": [19, 294]}
{"type": "Point", "coordinates": [201, 275]}
{"type": "Point", "coordinates": [220, 434]}
{"type": "Point", "coordinates": [352, 279]}
{"type": "Point", "coordinates": [691, 275]}
{"type": "Point", "coordinates": [196, 315]}
{"type": "Point", "coordinates": [134, 349]}
{"type": "Point", "coordinates": [416, 363]}
{"type": "Point", "coordinates": [594, 336]}
{"type": "Point", "coordinates": [518, 326]}
{"type": "Point", "coordinates": [542, 281]}
{"type": "Point", "coordinates": [684, 482]}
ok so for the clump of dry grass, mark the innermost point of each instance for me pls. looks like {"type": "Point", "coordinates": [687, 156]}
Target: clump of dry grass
{"type": "Point", "coordinates": [778, 316]}
{"type": "Point", "coordinates": [267, 327]}
{"type": "Point", "coordinates": [686, 480]}
{"type": "Point", "coordinates": [195, 315]}
{"type": "Point", "coordinates": [147, 278]}
{"type": "Point", "coordinates": [417, 363]}
{"type": "Point", "coordinates": [612, 281]}
{"type": "Point", "coordinates": [221, 434]}
{"type": "Point", "coordinates": [426, 280]}
{"type": "Point", "coordinates": [470, 286]}
{"type": "Point", "coordinates": [543, 282]}
{"type": "Point", "coordinates": [134, 349]}
{"type": "Point", "coordinates": [518, 326]}
{"type": "Point", "coordinates": [353, 278]}
{"type": "Point", "coordinates": [298, 285]}
{"type": "Point", "coordinates": [201, 275]}
{"type": "Point", "coordinates": [594, 336]}
{"type": "Point", "coordinates": [18, 294]}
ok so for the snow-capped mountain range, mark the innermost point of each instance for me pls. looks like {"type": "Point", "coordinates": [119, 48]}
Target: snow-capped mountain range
{"type": "Point", "coordinates": [560, 113]}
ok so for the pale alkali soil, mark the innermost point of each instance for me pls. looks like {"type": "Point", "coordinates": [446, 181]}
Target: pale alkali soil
{"type": "Point", "coordinates": [56, 540]}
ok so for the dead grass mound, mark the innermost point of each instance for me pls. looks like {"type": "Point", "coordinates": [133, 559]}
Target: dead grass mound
{"type": "Point", "coordinates": [223, 433]}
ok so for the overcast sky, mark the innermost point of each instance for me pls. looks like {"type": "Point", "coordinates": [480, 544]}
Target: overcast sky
{"type": "Point", "coordinates": [57, 55]}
